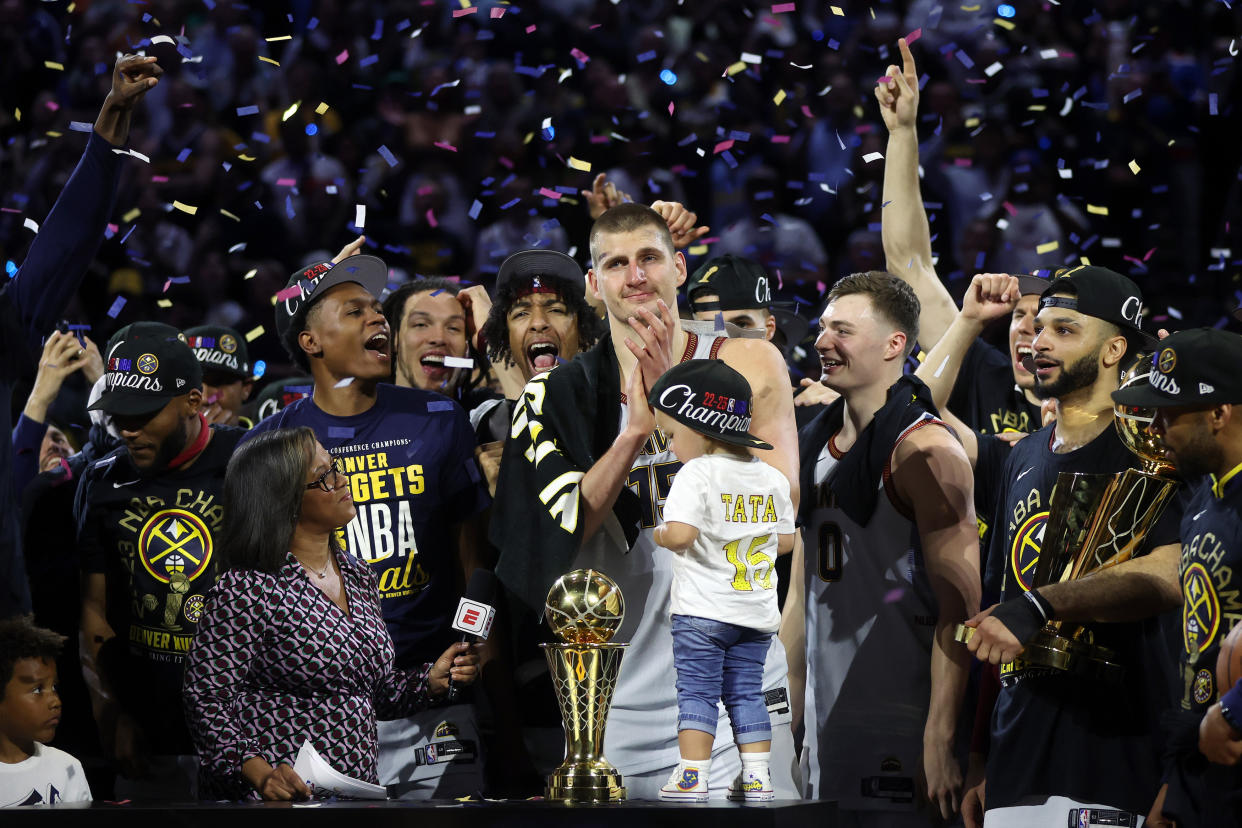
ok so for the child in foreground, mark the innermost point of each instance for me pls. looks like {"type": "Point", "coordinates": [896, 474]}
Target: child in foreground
{"type": "Point", "coordinates": [726, 518]}
{"type": "Point", "coordinates": [31, 773]}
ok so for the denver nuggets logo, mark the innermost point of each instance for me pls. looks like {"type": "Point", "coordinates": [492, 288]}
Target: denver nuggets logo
{"type": "Point", "coordinates": [193, 608]}
{"type": "Point", "coordinates": [1167, 360]}
{"type": "Point", "coordinates": [1026, 545]}
{"type": "Point", "coordinates": [1204, 687]}
{"type": "Point", "coordinates": [689, 779]}
{"type": "Point", "coordinates": [1200, 609]}
{"type": "Point", "coordinates": [228, 344]}
{"type": "Point", "coordinates": [147, 363]}
{"type": "Point", "coordinates": [175, 543]}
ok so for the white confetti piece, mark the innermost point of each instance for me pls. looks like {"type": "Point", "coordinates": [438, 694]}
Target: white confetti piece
{"type": "Point", "coordinates": [993, 69]}
{"type": "Point", "coordinates": [31, 224]}
{"type": "Point", "coordinates": [344, 382]}
{"type": "Point", "coordinates": [872, 156]}
{"type": "Point", "coordinates": [458, 362]}
{"type": "Point", "coordinates": [360, 216]}
{"type": "Point", "coordinates": [162, 39]}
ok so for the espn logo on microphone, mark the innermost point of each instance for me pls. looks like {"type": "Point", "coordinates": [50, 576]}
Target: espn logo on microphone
{"type": "Point", "coordinates": [474, 618]}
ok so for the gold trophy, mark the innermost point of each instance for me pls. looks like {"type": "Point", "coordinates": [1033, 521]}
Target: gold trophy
{"type": "Point", "coordinates": [585, 609]}
{"type": "Point", "coordinates": [1096, 521]}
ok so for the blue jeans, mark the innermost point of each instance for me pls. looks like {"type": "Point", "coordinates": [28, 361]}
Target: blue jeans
{"type": "Point", "coordinates": [716, 660]}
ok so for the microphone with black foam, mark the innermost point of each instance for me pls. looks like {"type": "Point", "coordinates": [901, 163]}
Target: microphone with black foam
{"type": "Point", "coordinates": [475, 614]}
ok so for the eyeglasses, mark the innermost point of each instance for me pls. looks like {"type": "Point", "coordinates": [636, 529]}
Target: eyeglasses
{"type": "Point", "coordinates": [322, 480]}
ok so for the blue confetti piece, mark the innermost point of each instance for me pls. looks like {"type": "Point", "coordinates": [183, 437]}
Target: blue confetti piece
{"type": "Point", "coordinates": [117, 304]}
{"type": "Point", "coordinates": [248, 110]}
{"type": "Point", "coordinates": [645, 56]}
{"type": "Point", "coordinates": [184, 154]}
{"type": "Point", "coordinates": [342, 432]}
{"type": "Point", "coordinates": [79, 126]}
{"type": "Point", "coordinates": [367, 61]}
{"type": "Point", "coordinates": [387, 155]}
{"type": "Point", "coordinates": [1212, 103]}
{"type": "Point", "coordinates": [440, 405]}
{"type": "Point", "coordinates": [300, 389]}
{"type": "Point", "coordinates": [260, 368]}
{"type": "Point", "coordinates": [289, 206]}
{"type": "Point", "coordinates": [10, 267]}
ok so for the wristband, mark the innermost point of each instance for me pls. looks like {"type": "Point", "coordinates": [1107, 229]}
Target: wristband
{"type": "Point", "coordinates": [1023, 616]}
{"type": "Point", "coordinates": [1231, 704]}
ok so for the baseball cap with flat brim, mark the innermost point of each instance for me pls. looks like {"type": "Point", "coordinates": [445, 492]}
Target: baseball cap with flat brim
{"type": "Point", "coordinates": [536, 265]}
{"type": "Point", "coordinates": [143, 374]}
{"type": "Point", "coordinates": [1198, 366]}
{"type": "Point", "coordinates": [308, 285]}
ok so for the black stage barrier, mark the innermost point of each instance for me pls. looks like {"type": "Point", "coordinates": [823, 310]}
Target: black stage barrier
{"type": "Point", "coordinates": [440, 814]}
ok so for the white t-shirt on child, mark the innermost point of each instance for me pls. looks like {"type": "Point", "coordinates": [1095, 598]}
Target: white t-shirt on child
{"type": "Point", "coordinates": [739, 505]}
{"type": "Point", "coordinates": [49, 776]}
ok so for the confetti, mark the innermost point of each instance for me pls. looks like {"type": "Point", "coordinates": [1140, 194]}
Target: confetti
{"type": "Point", "coordinates": [837, 11]}
{"type": "Point", "coordinates": [162, 39]}
{"type": "Point", "coordinates": [278, 37]}
{"type": "Point", "coordinates": [387, 155]}
{"type": "Point", "coordinates": [734, 68]}
{"type": "Point", "coordinates": [266, 59]}
{"type": "Point", "coordinates": [360, 216]}
{"type": "Point", "coordinates": [574, 163]}
{"type": "Point", "coordinates": [248, 110]}
{"type": "Point", "coordinates": [254, 333]}
{"type": "Point", "coordinates": [289, 293]}
{"type": "Point", "coordinates": [783, 8]}
{"type": "Point", "coordinates": [1099, 211]}
{"type": "Point", "coordinates": [993, 69]}
{"type": "Point", "coordinates": [321, 109]}
{"type": "Point", "coordinates": [446, 146]}
{"type": "Point", "coordinates": [913, 36]}
{"type": "Point", "coordinates": [344, 382]}
{"type": "Point", "coordinates": [185, 208]}
{"type": "Point", "coordinates": [458, 362]}
{"type": "Point", "coordinates": [464, 12]}
{"type": "Point", "coordinates": [164, 303]}
{"type": "Point", "coordinates": [1047, 247]}
{"type": "Point", "coordinates": [780, 96]}
{"type": "Point", "coordinates": [872, 156]}
{"type": "Point", "coordinates": [342, 57]}
{"type": "Point", "coordinates": [1134, 167]}
{"type": "Point", "coordinates": [31, 224]}
{"type": "Point", "coordinates": [51, 64]}
{"type": "Point", "coordinates": [117, 304]}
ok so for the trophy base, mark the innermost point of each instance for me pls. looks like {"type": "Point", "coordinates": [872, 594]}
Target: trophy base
{"type": "Point", "coordinates": [1069, 655]}
{"type": "Point", "coordinates": [586, 783]}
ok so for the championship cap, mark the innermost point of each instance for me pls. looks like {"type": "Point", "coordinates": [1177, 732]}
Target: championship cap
{"type": "Point", "coordinates": [219, 350]}
{"type": "Point", "coordinates": [138, 330]}
{"type": "Point", "coordinates": [1192, 367]}
{"type": "Point", "coordinates": [309, 284]}
{"type": "Point", "coordinates": [739, 283]}
{"type": "Point", "coordinates": [1102, 293]}
{"type": "Point", "coordinates": [709, 397]}
{"type": "Point", "coordinates": [1028, 285]}
{"type": "Point", "coordinates": [281, 393]}
{"type": "Point", "coordinates": [537, 265]}
{"type": "Point", "coordinates": [143, 374]}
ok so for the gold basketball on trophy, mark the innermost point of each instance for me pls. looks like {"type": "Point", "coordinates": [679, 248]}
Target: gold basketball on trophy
{"type": "Point", "coordinates": [584, 607]}
{"type": "Point", "coordinates": [1133, 423]}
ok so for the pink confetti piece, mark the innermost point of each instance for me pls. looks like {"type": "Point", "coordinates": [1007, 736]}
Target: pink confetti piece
{"type": "Point", "coordinates": [894, 595]}
{"type": "Point", "coordinates": [286, 182]}
{"type": "Point", "coordinates": [913, 36]}
{"type": "Point", "coordinates": [806, 110]}
{"type": "Point", "coordinates": [552, 194]}
{"type": "Point", "coordinates": [446, 146]}
{"type": "Point", "coordinates": [159, 179]}
{"type": "Point", "coordinates": [1148, 254]}
{"type": "Point", "coordinates": [498, 12]}
{"type": "Point", "coordinates": [962, 162]}
{"type": "Point", "coordinates": [342, 57]}
{"type": "Point", "coordinates": [530, 29]}
{"type": "Point", "coordinates": [505, 162]}
{"type": "Point", "coordinates": [464, 12]}
{"type": "Point", "coordinates": [780, 139]}
{"type": "Point", "coordinates": [52, 105]}
{"type": "Point", "coordinates": [884, 79]}
{"type": "Point", "coordinates": [722, 146]}
{"type": "Point", "coordinates": [670, 107]}
{"type": "Point", "coordinates": [431, 219]}
{"type": "Point", "coordinates": [1009, 208]}
{"type": "Point", "coordinates": [784, 8]}
{"type": "Point", "coordinates": [289, 293]}
{"type": "Point", "coordinates": [580, 55]}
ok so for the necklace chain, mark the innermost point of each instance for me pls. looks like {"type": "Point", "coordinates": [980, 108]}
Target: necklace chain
{"type": "Point", "coordinates": [321, 574]}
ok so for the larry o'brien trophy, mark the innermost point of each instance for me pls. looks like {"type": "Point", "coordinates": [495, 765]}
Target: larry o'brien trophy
{"type": "Point", "coordinates": [1096, 521]}
{"type": "Point", "coordinates": [585, 608]}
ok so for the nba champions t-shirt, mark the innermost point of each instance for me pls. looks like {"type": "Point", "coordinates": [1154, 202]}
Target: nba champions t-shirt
{"type": "Point", "coordinates": [410, 464]}
{"type": "Point", "coordinates": [154, 539]}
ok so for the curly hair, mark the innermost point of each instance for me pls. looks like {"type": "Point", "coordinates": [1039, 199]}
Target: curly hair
{"type": "Point", "coordinates": [20, 638]}
{"type": "Point", "coordinates": [496, 328]}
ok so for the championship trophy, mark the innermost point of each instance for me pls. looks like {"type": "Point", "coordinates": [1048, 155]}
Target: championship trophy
{"type": "Point", "coordinates": [1096, 521]}
{"type": "Point", "coordinates": [585, 608]}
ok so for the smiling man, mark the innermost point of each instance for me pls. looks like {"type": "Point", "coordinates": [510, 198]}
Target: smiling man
{"type": "Point", "coordinates": [148, 514]}
{"type": "Point", "coordinates": [429, 329]}
{"type": "Point", "coordinates": [408, 454]}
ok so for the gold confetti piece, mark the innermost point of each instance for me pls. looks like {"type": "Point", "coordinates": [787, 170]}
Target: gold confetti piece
{"type": "Point", "coordinates": [251, 336]}
{"type": "Point", "coordinates": [702, 57]}
{"type": "Point", "coordinates": [164, 303]}
{"type": "Point", "coordinates": [780, 96]}
{"type": "Point", "coordinates": [1084, 260]}
{"type": "Point", "coordinates": [281, 37]}
{"type": "Point", "coordinates": [837, 11]}
{"type": "Point", "coordinates": [584, 166]}
{"type": "Point", "coordinates": [18, 113]}
{"type": "Point", "coordinates": [698, 250]}
{"type": "Point", "coordinates": [250, 273]}
{"type": "Point", "coordinates": [225, 212]}
{"type": "Point", "coordinates": [465, 4]}
{"type": "Point", "coordinates": [734, 68]}
{"type": "Point", "coordinates": [1134, 167]}
{"type": "Point", "coordinates": [971, 123]}
{"type": "Point", "coordinates": [53, 133]}
{"type": "Point", "coordinates": [1047, 247]}
{"type": "Point", "coordinates": [245, 157]}
{"type": "Point", "coordinates": [288, 113]}
{"type": "Point", "coordinates": [51, 64]}
{"type": "Point", "coordinates": [322, 108]}
{"type": "Point", "coordinates": [529, 135]}
{"type": "Point", "coordinates": [971, 8]}
{"type": "Point", "coordinates": [1003, 23]}
{"type": "Point", "coordinates": [269, 60]}
{"type": "Point", "coordinates": [1099, 211]}
{"type": "Point", "coordinates": [131, 215]}
{"type": "Point", "coordinates": [185, 208]}
{"type": "Point", "coordinates": [1037, 107]}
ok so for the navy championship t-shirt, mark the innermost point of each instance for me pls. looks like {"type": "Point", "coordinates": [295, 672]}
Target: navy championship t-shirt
{"type": "Point", "coordinates": [985, 396]}
{"type": "Point", "coordinates": [154, 539]}
{"type": "Point", "coordinates": [410, 464]}
{"type": "Point", "coordinates": [1054, 733]}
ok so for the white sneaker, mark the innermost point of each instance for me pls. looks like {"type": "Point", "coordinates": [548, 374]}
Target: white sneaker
{"type": "Point", "coordinates": [752, 786]}
{"type": "Point", "coordinates": [687, 783]}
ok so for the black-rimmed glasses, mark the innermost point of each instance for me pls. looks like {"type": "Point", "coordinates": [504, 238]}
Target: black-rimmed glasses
{"type": "Point", "coordinates": [322, 481]}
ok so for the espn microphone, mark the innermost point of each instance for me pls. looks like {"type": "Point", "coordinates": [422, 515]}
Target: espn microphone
{"type": "Point", "coordinates": [474, 614]}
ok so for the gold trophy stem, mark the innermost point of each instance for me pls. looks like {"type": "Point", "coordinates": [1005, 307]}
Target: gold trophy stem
{"type": "Point", "coordinates": [585, 676]}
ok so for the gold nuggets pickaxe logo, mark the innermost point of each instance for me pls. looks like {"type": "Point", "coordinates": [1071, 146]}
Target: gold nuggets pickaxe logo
{"type": "Point", "coordinates": [147, 363]}
{"type": "Point", "coordinates": [1027, 542]}
{"type": "Point", "coordinates": [1167, 361]}
{"type": "Point", "coordinates": [175, 541]}
{"type": "Point", "coordinates": [1200, 609]}
{"type": "Point", "coordinates": [228, 344]}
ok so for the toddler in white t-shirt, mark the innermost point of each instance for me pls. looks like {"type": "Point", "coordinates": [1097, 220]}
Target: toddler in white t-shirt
{"type": "Point", "coordinates": [726, 518]}
{"type": "Point", "coordinates": [32, 773]}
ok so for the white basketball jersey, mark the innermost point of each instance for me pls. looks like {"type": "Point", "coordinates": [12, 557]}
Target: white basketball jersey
{"type": "Point", "coordinates": [870, 620]}
{"type": "Point", "coordinates": [642, 725]}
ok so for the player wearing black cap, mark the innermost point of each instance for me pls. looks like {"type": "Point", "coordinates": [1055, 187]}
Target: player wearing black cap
{"type": "Point", "coordinates": [1063, 745]}
{"type": "Point", "coordinates": [228, 376]}
{"type": "Point", "coordinates": [1195, 388]}
{"type": "Point", "coordinates": [148, 514]}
